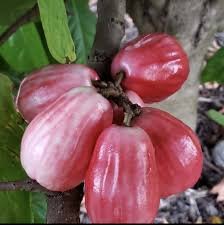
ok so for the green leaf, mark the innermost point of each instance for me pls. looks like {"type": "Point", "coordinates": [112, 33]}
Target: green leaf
{"type": "Point", "coordinates": [55, 24]}
{"type": "Point", "coordinates": [13, 75]}
{"type": "Point", "coordinates": [216, 116]}
{"type": "Point", "coordinates": [44, 42]}
{"type": "Point", "coordinates": [214, 70]}
{"type": "Point", "coordinates": [15, 206]}
{"type": "Point", "coordinates": [82, 24]}
{"type": "Point", "coordinates": [11, 10]}
{"type": "Point", "coordinates": [39, 207]}
{"type": "Point", "coordinates": [24, 51]}
{"type": "Point", "coordinates": [12, 204]}
{"type": "Point", "coordinates": [8, 113]}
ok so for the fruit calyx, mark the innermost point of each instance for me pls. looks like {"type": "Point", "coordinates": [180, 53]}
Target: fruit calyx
{"type": "Point", "coordinates": [113, 91]}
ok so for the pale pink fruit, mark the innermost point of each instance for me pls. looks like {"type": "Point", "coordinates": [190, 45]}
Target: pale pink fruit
{"type": "Point", "coordinates": [57, 145]}
{"type": "Point", "coordinates": [42, 87]}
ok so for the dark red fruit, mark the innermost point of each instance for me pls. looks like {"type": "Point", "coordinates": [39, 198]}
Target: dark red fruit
{"type": "Point", "coordinates": [121, 184]}
{"type": "Point", "coordinates": [178, 151]}
{"type": "Point", "coordinates": [155, 66]}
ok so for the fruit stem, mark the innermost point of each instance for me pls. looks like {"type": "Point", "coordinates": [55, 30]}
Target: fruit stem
{"type": "Point", "coordinates": [114, 92]}
{"type": "Point", "coordinates": [119, 78]}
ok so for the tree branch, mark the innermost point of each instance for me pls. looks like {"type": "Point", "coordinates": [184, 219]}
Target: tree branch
{"type": "Point", "coordinates": [64, 207]}
{"type": "Point", "coordinates": [109, 32]}
{"type": "Point", "coordinates": [24, 185]}
{"type": "Point", "coordinates": [27, 17]}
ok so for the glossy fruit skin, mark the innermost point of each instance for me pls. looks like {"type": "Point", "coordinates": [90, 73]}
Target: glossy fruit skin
{"type": "Point", "coordinates": [118, 111]}
{"type": "Point", "coordinates": [42, 87]}
{"type": "Point", "coordinates": [178, 151]}
{"type": "Point", "coordinates": [121, 184]}
{"type": "Point", "coordinates": [155, 66]}
{"type": "Point", "coordinates": [57, 145]}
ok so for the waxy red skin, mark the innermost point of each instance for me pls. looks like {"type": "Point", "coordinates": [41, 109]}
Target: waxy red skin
{"type": "Point", "coordinates": [42, 87]}
{"type": "Point", "coordinates": [178, 151]}
{"type": "Point", "coordinates": [118, 111]}
{"type": "Point", "coordinates": [58, 143]}
{"type": "Point", "coordinates": [121, 184]}
{"type": "Point", "coordinates": [155, 66]}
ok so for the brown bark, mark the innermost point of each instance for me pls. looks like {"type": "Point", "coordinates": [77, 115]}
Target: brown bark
{"type": "Point", "coordinates": [64, 207]}
{"type": "Point", "coordinates": [23, 185]}
{"type": "Point", "coordinates": [110, 30]}
{"type": "Point", "coordinates": [194, 23]}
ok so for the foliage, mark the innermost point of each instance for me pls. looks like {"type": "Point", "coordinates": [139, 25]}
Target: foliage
{"type": "Point", "coordinates": [54, 20]}
{"type": "Point", "coordinates": [17, 206]}
{"type": "Point", "coordinates": [216, 116]}
{"type": "Point", "coordinates": [10, 10]}
{"type": "Point", "coordinates": [82, 29]}
{"type": "Point", "coordinates": [24, 50]}
{"type": "Point", "coordinates": [214, 70]}
{"type": "Point", "coordinates": [53, 37]}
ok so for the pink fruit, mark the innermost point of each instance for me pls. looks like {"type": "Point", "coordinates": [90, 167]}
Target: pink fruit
{"type": "Point", "coordinates": [42, 87]}
{"type": "Point", "coordinates": [57, 145]}
{"type": "Point", "coordinates": [155, 66]}
{"type": "Point", "coordinates": [178, 151]}
{"type": "Point", "coordinates": [121, 183]}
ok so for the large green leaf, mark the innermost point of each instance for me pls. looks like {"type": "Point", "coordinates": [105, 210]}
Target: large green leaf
{"type": "Point", "coordinates": [10, 10]}
{"type": "Point", "coordinates": [214, 70]}
{"type": "Point", "coordinates": [82, 24]}
{"type": "Point", "coordinates": [15, 207]}
{"type": "Point", "coordinates": [13, 75]}
{"type": "Point", "coordinates": [24, 51]}
{"type": "Point", "coordinates": [44, 42]}
{"type": "Point", "coordinates": [39, 207]}
{"type": "Point", "coordinates": [216, 116]}
{"type": "Point", "coordinates": [55, 24]}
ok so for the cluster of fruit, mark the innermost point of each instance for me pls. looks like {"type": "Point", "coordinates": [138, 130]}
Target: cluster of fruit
{"type": "Point", "coordinates": [72, 136]}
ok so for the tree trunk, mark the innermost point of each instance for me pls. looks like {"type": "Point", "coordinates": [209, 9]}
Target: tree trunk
{"type": "Point", "coordinates": [64, 207]}
{"type": "Point", "coordinates": [194, 23]}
